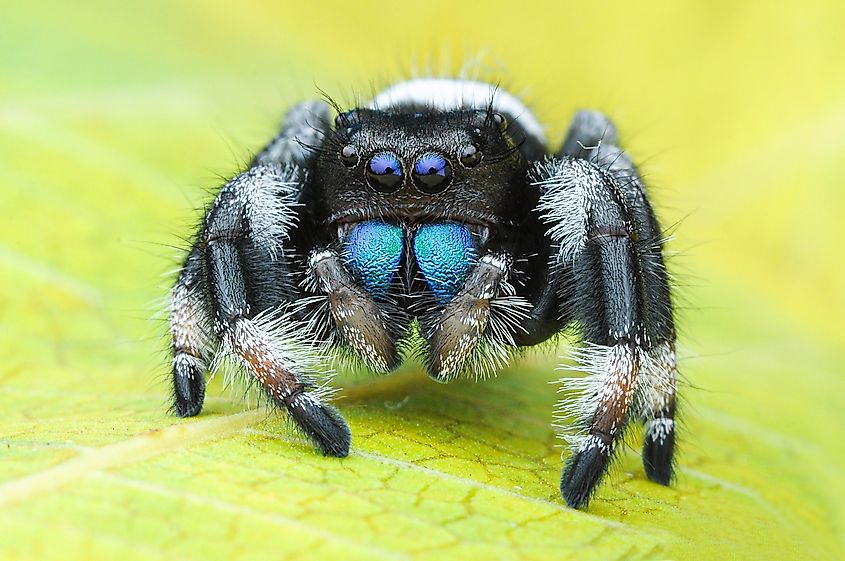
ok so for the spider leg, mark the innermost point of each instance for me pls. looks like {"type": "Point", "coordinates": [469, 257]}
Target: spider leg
{"type": "Point", "coordinates": [192, 337]}
{"type": "Point", "coordinates": [549, 314]}
{"type": "Point", "coordinates": [587, 130]}
{"type": "Point", "coordinates": [304, 127]}
{"type": "Point", "coordinates": [193, 340]}
{"type": "Point", "coordinates": [594, 136]}
{"type": "Point", "coordinates": [619, 299]}
{"type": "Point", "coordinates": [243, 248]}
{"type": "Point", "coordinates": [658, 413]}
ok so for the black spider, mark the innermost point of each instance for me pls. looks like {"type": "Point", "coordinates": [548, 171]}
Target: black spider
{"type": "Point", "coordinates": [436, 219]}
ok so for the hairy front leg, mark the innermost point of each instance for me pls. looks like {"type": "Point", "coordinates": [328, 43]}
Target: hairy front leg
{"type": "Point", "coordinates": [193, 337]}
{"type": "Point", "coordinates": [611, 360]}
{"type": "Point", "coordinates": [592, 137]}
{"type": "Point", "coordinates": [602, 243]}
{"type": "Point", "coordinates": [244, 239]}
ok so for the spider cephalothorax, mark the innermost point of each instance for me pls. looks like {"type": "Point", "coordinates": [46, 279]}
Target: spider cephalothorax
{"type": "Point", "coordinates": [437, 219]}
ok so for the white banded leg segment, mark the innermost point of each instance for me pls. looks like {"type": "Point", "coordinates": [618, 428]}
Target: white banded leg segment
{"type": "Point", "coordinates": [660, 430]}
{"type": "Point", "coordinates": [266, 359]}
{"type": "Point", "coordinates": [616, 391]}
{"type": "Point", "coordinates": [602, 407]}
{"type": "Point", "coordinates": [279, 368]}
{"type": "Point", "coordinates": [657, 385]}
{"type": "Point", "coordinates": [192, 342]}
{"type": "Point", "coordinates": [657, 393]}
{"type": "Point", "coordinates": [599, 399]}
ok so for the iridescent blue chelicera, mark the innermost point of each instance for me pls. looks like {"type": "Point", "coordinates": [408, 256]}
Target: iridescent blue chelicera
{"type": "Point", "coordinates": [445, 252]}
{"type": "Point", "coordinates": [373, 252]}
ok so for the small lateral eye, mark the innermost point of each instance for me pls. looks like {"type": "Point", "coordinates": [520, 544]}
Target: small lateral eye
{"type": "Point", "coordinates": [500, 120]}
{"type": "Point", "coordinates": [432, 173]}
{"type": "Point", "coordinates": [345, 119]}
{"type": "Point", "coordinates": [349, 156]}
{"type": "Point", "coordinates": [384, 172]}
{"type": "Point", "coordinates": [470, 155]}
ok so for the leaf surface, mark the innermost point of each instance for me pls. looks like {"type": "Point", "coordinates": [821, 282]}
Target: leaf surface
{"type": "Point", "coordinates": [116, 119]}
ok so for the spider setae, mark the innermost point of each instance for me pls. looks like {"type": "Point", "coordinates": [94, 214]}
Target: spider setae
{"type": "Point", "coordinates": [437, 219]}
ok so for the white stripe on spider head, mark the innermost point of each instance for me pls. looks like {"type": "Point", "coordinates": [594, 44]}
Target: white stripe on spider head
{"type": "Point", "coordinates": [447, 94]}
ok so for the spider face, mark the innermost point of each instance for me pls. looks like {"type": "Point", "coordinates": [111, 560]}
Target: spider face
{"type": "Point", "coordinates": [436, 221]}
{"type": "Point", "coordinates": [411, 167]}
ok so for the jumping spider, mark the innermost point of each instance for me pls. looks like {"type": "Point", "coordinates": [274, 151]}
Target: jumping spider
{"type": "Point", "coordinates": [437, 218]}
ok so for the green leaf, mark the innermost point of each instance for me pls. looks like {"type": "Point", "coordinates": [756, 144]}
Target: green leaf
{"type": "Point", "coordinates": [114, 121]}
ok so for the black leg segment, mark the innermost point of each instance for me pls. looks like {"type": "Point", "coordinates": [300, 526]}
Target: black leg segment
{"type": "Point", "coordinates": [246, 227]}
{"type": "Point", "coordinates": [607, 240]}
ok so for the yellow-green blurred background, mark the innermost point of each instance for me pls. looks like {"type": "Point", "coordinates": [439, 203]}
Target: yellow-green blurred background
{"type": "Point", "coordinates": [117, 117]}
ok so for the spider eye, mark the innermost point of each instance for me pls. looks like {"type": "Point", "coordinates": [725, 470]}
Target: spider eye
{"type": "Point", "coordinates": [470, 156]}
{"type": "Point", "coordinates": [432, 173]}
{"type": "Point", "coordinates": [384, 172]}
{"type": "Point", "coordinates": [349, 156]}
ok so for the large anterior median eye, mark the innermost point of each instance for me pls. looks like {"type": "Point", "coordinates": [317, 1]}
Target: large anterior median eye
{"type": "Point", "coordinates": [432, 173]}
{"type": "Point", "coordinates": [384, 172]}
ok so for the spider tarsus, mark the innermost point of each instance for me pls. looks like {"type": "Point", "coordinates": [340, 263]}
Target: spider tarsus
{"type": "Point", "coordinates": [184, 409]}
{"type": "Point", "coordinates": [657, 457]}
{"type": "Point", "coordinates": [582, 473]}
{"type": "Point", "coordinates": [189, 406]}
{"type": "Point", "coordinates": [188, 390]}
{"type": "Point", "coordinates": [323, 425]}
